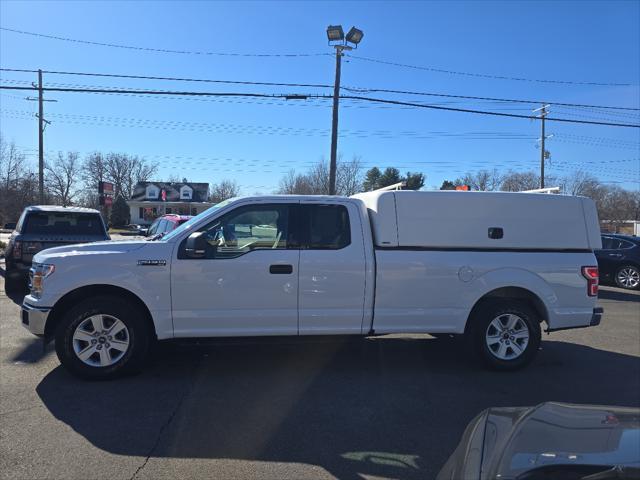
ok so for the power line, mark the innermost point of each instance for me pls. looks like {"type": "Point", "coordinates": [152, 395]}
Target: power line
{"type": "Point", "coordinates": [368, 59]}
{"type": "Point", "coordinates": [257, 129]}
{"type": "Point", "coordinates": [298, 97]}
{"type": "Point", "coordinates": [490, 99]}
{"type": "Point", "coordinates": [482, 75]}
{"type": "Point", "coordinates": [483, 112]}
{"type": "Point", "coordinates": [161, 50]}
{"type": "Point", "coordinates": [319, 85]}
{"type": "Point", "coordinates": [172, 79]}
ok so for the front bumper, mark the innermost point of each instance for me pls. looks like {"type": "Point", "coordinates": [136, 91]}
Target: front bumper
{"type": "Point", "coordinates": [34, 319]}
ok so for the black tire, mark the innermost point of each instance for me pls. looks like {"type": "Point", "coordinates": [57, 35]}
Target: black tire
{"type": "Point", "coordinates": [138, 336]}
{"type": "Point", "coordinates": [635, 271]}
{"type": "Point", "coordinates": [479, 328]}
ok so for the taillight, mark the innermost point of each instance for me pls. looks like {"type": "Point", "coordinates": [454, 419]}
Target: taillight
{"type": "Point", "coordinates": [17, 249]}
{"type": "Point", "coordinates": [592, 276]}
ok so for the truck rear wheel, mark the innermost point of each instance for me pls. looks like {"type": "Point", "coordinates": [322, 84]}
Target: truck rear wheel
{"type": "Point", "coordinates": [102, 338]}
{"type": "Point", "coordinates": [505, 334]}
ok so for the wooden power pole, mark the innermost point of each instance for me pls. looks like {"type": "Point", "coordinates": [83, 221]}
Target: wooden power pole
{"type": "Point", "coordinates": [40, 139]}
{"type": "Point", "coordinates": [543, 152]}
{"type": "Point", "coordinates": [42, 124]}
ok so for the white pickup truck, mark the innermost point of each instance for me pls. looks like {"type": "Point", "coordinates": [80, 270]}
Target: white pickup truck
{"type": "Point", "coordinates": [491, 266]}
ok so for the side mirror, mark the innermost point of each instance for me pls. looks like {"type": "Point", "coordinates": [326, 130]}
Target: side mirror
{"type": "Point", "coordinates": [196, 245]}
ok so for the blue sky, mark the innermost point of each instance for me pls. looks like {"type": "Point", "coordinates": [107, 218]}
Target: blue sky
{"type": "Point", "coordinates": [257, 142]}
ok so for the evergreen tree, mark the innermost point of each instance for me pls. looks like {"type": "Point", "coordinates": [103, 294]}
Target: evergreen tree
{"type": "Point", "coordinates": [120, 212]}
{"type": "Point", "coordinates": [372, 179]}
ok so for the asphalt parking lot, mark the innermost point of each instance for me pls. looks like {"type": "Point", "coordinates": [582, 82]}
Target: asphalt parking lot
{"type": "Point", "coordinates": [387, 407]}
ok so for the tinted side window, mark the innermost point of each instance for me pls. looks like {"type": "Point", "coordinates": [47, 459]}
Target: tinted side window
{"type": "Point", "coordinates": [625, 244]}
{"type": "Point", "coordinates": [607, 243]}
{"type": "Point", "coordinates": [254, 227]}
{"type": "Point", "coordinates": [327, 226]}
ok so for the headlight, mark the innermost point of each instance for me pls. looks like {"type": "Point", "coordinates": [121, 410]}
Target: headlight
{"type": "Point", "coordinates": [38, 273]}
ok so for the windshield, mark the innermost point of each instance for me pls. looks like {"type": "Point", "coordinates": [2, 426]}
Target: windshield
{"type": "Point", "coordinates": [189, 223]}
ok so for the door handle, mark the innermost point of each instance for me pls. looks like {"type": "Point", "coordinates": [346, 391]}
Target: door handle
{"type": "Point", "coordinates": [615, 254]}
{"type": "Point", "coordinates": [281, 269]}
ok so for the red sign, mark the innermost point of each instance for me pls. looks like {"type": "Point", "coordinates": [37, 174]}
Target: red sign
{"type": "Point", "coordinates": [105, 191]}
{"type": "Point", "coordinates": [464, 188]}
{"type": "Point", "coordinates": [105, 188]}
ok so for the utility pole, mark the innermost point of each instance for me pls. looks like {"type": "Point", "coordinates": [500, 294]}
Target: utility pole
{"type": "Point", "coordinates": [333, 165]}
{"type": "Point", "coordinates": [40, 139]}
{"type": "Point", "coordinates": [42, 123]}
{"type": "Point", "coordinates": [543, 153]}
{"type": "Point", "coordinates": [348, 42]}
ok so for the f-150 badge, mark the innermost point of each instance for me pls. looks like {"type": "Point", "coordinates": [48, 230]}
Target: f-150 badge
{"type": "Point", "coordinates": [152, 263]}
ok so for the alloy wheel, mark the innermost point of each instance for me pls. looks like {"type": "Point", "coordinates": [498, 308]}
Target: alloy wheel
{"type": "Point", "coordinates": [101, 340]}
{"type": "Point", "coordinates": [507, 336]}
{"type": "Point", "coordinates": [628, 277]}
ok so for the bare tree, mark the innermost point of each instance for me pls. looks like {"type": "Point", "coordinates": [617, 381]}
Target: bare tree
{"type": "Point", "coordinates": [483, 180]}
{"type": "Point", "coordinates": [12, 164]}
{"type": "Point", "coordinates": [617, 206]}
{"type": "Point", "coordinates": [295, 184]}
{"type": "Point", "coordinates": [581, 183]}
{"type": "Point", "coordinates": [18, 184]}
{"type": "Point", "coordinates": [349, 177]}
{"type": "Point", "coordinates": [62, 177]}
{"type": "Point", "coordinates": [316, 180]}
{"type": "Point", "coordinates": [224, 190]}
{"type": "Point", "coordinates": [519, 181]}
{"type": "Point", "coordinates": [121, 169]}
{"type": "Point", "coordinates": [139, 170]}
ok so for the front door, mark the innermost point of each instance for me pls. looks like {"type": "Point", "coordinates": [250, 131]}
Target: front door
{"type": "Point", "coordinates": [247, 284]}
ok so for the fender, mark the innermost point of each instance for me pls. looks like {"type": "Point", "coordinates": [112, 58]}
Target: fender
{"type": "Point", "coordinates": [145, 272]}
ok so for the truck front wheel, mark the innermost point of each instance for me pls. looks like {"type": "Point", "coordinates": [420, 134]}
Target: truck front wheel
{"type": "Point", "coordinates": [102, 338]}
{"type": "Point", "coordinates": [505, 334]}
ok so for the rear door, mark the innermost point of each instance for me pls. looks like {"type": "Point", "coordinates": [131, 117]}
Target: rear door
{"type": "Point", "coordinates": [332, 269]}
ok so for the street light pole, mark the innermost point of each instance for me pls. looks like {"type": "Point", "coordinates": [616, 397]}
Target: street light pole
{"type": "Point", "coordinates": [354, 37]}
{"type": "Point", "coordinates": [333, 165]}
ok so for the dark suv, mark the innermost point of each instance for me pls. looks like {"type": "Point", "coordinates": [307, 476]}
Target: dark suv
{"type": "Point", "coordinates": [619, 260]}
{"type": "Point", "coordinates": [41, 227]}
